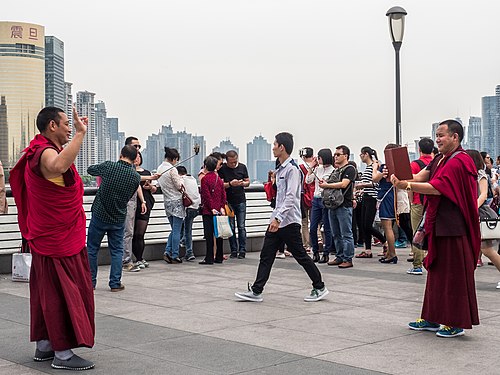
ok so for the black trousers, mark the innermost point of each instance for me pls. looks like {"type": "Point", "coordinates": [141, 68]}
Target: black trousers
{"type": "Point", "coordinates": [368, 212]}
{"type": "Point", "coordinates": [208, 232]}
{"type": "Point", "coordinates": [292, 237]}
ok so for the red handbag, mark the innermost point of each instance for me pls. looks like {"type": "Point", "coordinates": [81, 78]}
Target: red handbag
{"type": "Point", "coordinates": [186, 201]}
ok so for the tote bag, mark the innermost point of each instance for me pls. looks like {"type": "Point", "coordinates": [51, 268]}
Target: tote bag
{"type": "Point", "coordinates": [21, 266]}
{"type": "Point", "coordinates": [222, 228]}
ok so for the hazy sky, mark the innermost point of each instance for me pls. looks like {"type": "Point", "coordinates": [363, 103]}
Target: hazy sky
{"type": "Point", "coordinates": [320, 69]}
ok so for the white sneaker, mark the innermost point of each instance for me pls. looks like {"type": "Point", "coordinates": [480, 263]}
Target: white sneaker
{"type": "Point", "coordinates": [316, 295]}
{"type": "Point", "coordinates": [498, 285]}
{"type": "Point", "coordinates": [131, 267]}
{"type": "Point", "coordinates": [140, 265]}
{"type": "Point", "coordinates": [249, 295]}
{"type": "Point", "coordinates": [280, 255]}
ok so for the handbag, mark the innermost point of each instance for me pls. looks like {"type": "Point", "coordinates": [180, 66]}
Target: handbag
{"type": "Point", "coordinates": [229, 210]}
{"type": "Point", "coordinates": [490, 229]}
{"type": "Point", "coordinates": [420, 240]}
{"type": "Point", "coordinates": [21, 267]}
{"type": "Point", "coordinates": [186, 201]}
{"type": "Point", "coordinates": [222, 227]}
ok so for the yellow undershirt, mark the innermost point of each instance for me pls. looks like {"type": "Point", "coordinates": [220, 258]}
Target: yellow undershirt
{"type": "Point", "coordinates": [57, 180]}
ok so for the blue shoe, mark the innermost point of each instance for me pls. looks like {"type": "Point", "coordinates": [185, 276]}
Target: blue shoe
{"type": "Point", "coordinates": [415, 271]}
{"type": "Point", "coordinates": [423, 325]}
{"type": "Point", "coordinates": [448, 331]}
{"type": "Point", "coordinates": [400, 244]}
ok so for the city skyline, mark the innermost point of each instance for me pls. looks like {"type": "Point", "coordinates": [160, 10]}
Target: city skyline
{"type": "Point", "coordinates": [241, 68]}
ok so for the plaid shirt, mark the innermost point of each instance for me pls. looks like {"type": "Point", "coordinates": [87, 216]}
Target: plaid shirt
{"type": "Point", "coordinates": [119, 183]}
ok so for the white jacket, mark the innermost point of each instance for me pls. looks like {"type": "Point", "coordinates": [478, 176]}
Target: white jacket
{"type": "Point", "coordinates": [192, 191]}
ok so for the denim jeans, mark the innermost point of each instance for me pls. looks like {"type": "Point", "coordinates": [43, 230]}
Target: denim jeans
{"type": "Point", "coordinates": [96, 232]}
{"type": "Point", "coordinates": [320, 214]}
{"type": "Point", "coordinates": [191, 213]}
{"type": "Point", "coordinates": [174, 237]}
{"type": "Point", "coordinates": [240, 212]}
{"type": "Point", "coordinates": [341, 224]}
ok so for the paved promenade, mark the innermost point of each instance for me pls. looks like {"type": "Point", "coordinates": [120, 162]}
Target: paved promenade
{"type": "Point", "coordinates": [184, 319]}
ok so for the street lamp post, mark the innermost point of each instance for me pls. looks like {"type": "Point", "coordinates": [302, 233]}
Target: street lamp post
{"type": "Point", "coordinates": [396, 17]}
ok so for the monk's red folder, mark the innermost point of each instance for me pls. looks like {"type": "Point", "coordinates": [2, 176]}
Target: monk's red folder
{"type": "Point", "coordinates": [398, 163]}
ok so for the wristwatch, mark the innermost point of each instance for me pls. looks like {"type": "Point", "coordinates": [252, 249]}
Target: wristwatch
{"type": "Point", "coordinates": [278, 220]}
{"type": "Point", "coordinates": [408, 187]}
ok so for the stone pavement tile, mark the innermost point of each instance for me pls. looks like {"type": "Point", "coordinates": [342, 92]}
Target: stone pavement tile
{"type": "Point", "coordinates": [311, 366]}
{"type": "Point", "coordinates": [14, 343]}
{"type": "Point", "coordinates": [423, 353]}
{"type": "Point", "coordinates": [181, 320]}
{"type": "Point", "coordinates": [246, 312]}
{"type": "Point", "coordinates": [364, 325]}
{"type": "Point", "coordinates": [15, 288]}
{"type": "Point", "coordinates": [118, 361]}
{"type": "Point", "coordinates": [286, 339]}
{"type": "Point", "coordinates": [295, 301]}
{"type": "Point", "coordinates": [160, 297]}
{"type": "Point", "coordinates": [123, 333]}
{"type": "Point", "coordinates": [15, 369]}
{"type": "Point", "coordinates": [213, 354]}
{"type": "Point", "coordinates": [14, 308]}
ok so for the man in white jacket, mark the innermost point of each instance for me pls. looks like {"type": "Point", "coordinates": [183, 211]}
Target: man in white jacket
{"type": "Point", "coordinates": [192, 211]}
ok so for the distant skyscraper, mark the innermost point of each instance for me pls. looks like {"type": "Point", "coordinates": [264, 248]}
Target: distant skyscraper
{"type": "Point", "coordinates": [22, 86]}
{"type": "Point", "coordinates": [433, 131]}
{"type": "Point", "coordinates": [474, 133]}
{"type": "Point", "coordinates": [68, 106]}
{"type": "Point", "coordinates": [54, 72]}
{"type": "Point", "coordinates": [88, 152]}
{"type": "Point", "coordinates": [182, 141]}
{"type": "Point", "coordinates": [116, 146]}
{"type": "Point", "coordinates": [258, 149]}
{"type": "Point", "coordinates": [262, 168]}
{"type": "Point", "coordinates": [225, 146]}
{"type": "Point", "coordinates": [103, 134]}
{"type": "Point", "coordinates": [490, 131]}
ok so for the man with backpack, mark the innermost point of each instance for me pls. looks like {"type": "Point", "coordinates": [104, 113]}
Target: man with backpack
{"type": "Point", "coordinates": [337, 197]}
{"type": "Point", "coordinates": [425, 146]}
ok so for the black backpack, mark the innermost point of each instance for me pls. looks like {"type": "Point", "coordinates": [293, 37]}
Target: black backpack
{"type": "Point", "coordinates": [333, 198]}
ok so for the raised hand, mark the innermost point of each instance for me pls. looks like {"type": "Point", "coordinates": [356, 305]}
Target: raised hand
{"type": "Point", "coordinates": [80, 123]}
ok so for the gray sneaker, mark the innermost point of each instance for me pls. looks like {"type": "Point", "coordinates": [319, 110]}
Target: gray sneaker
{"type": "Point", "coordinates": [131, 267]}
{"type": "Point", "coordinates": [190, 258]}
{"type": "Point", "coordinates": [249, 295]}
{"type": "Point", "coordinates": [316, 295]}
{"type": "Point", "coordinates": [74, 363]}
{"type": "Point", "coordinates": [43, 356]}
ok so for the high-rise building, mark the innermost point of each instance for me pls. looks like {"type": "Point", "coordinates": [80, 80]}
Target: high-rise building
{"type": "Point", "coordinates": [258, 149]}
{"type": "Point", "coordinates": [116, 146]}
{"type": "Point", "coordinates": [433, 130]}
{"type": "Point", "coordinates": [102, 131]}
{"type": "Point", "coordinates": [68, 99]}
{"type": "Point", "coordinates": [54, 72]}
{"type": "Point", "coordinates": [262, 168]}
{"type": "Point", "coordinates": [224, 146]}
{"type": "Point", "coordinates": [474, 133]}
{"type": "Point", "coordinates": [22, 86]}
{"type": "Point", "coordinates": [182, 141]}
{"type": "Point", "coordinates": [87, 156]}
{"type": "Point", "coordinates": [490, 131]}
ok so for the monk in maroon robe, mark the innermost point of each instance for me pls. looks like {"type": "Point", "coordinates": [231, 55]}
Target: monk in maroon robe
{"type": "Point", "coordinates": [49, 196]}
{"type": "Point", "coordinates": [452, 230]}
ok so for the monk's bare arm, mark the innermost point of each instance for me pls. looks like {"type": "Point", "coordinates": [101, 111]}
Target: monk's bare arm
{"type": "Point", "coordinates": [422, 176]}
{"type": "Point", "coordinates": [416, 187]}
{"type": "Point", "coordinates": [53, 164]}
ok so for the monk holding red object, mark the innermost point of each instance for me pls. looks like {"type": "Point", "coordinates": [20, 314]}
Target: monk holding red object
{"type": "Point", "coordinates": [452, 229]}
{"type": "Point", "coordinates": [49, 196]}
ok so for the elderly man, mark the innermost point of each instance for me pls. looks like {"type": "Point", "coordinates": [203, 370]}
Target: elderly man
{"type": "Point", "coordinates": [450, 183]}
{"type": "Point", "coordinates": [49, 196]}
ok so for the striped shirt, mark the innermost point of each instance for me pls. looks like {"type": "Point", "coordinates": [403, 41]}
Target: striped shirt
{"type": "Point", "coordinates": [367, 178]}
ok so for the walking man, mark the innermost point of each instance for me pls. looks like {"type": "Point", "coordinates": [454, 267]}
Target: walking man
{"type": "Point", "coordinates": [450, 185]}
{"type": "Point", "coordinates": [285, 226]}
{"type": "Point", "coordinates": [109, 210]}
{"type": "Point", "coordinates": [235, 176]}
{"type": "Point", "coordinates": [49, 196]}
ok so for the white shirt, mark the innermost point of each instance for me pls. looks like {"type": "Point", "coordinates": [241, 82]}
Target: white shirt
{"type": "Point", "coordinates": [170, 182]}
{"type": "Point", "coordinates": [288, 183]}
{"type": "Point", "coordinates": [323, 174]}
{"type": "Point", "coordinates": [192, 191]}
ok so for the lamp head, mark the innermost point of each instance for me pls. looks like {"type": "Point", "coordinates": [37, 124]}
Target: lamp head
{"type": "Point", "coordinates": [396, 17]}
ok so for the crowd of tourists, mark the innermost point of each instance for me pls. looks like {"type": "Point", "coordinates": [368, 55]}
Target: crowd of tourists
{"type": "Point", "coordinates": [323, 208]}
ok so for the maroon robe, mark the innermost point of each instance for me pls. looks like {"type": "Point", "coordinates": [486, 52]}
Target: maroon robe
{"type": "Point", "coordinates": [452, 224]}
{"type": "Point", "coordinates": [52, 220]}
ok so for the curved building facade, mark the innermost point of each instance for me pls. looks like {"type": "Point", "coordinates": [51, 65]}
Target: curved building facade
{"type": "Point", "coordinates": [22, 86]}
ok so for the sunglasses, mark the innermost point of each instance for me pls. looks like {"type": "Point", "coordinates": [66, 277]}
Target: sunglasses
{"type": "Point", "coordinates": [337, 154]}
{"type": "Point", "coordinates": [137, 146]}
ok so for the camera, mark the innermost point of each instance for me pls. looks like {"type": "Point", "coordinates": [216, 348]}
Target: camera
{"type": "Point", "coordinates": [306, 152]}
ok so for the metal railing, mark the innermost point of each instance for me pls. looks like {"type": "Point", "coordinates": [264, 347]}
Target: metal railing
{"type": "Point", "coordinates": [257, 219]}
